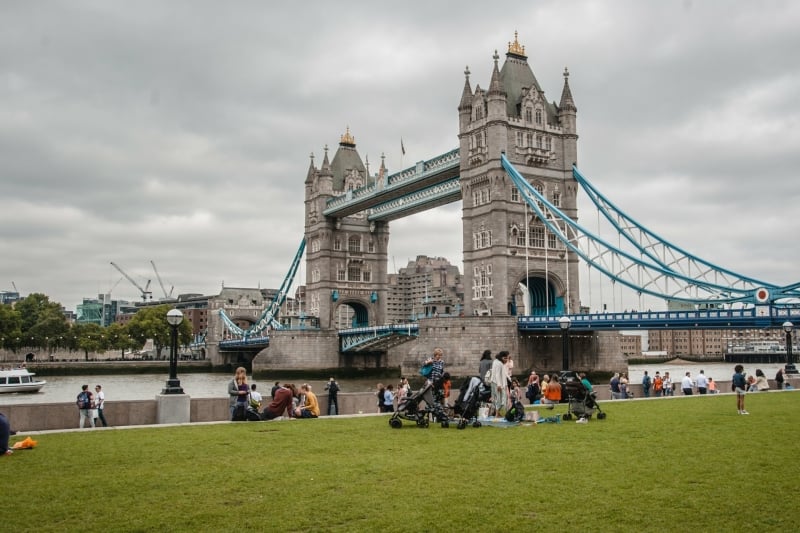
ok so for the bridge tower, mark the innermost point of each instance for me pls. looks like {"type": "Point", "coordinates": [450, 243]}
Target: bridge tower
{"type": "Point", "coordinates": [346, 258]}
{"type": "Point", "coordinates": [512, 265]}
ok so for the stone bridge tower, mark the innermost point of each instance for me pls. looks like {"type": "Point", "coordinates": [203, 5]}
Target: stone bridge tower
{"type": "Point", "coordinates": [512, 265]}
{"type": "Point", "coordinates": [346, 258]}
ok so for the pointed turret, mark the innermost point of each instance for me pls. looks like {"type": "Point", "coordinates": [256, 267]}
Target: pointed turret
{"type": "Point", "coordinates": [312, 171]}
{"type": "Point", "coordinates": [465, 105]}
{"type": "Point", "coordinates": [566, 108]}
{"type": "Point", "coordinates": [325, 175]}
{"type": "Point", "coordinates": [496, 97]}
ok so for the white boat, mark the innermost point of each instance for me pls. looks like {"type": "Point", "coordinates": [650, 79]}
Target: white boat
{"type": "Point", "coordinates": [19, 380]}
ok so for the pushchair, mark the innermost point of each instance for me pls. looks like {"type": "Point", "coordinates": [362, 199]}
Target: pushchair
{"type": "Point", "coordinates": [515, 413]}
{"type": "Point", "coordinates": [410, 408]}
{"type": "Point", "coordinates": [580, 402]}
{"type": "Point", "coordinates": [470, 397]}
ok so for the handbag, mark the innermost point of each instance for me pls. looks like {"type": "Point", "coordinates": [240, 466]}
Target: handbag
{"type": "Point", "coordinates": [426, 370]}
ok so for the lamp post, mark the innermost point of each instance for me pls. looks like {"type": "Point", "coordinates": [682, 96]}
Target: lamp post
{"type": "Point", "coordinates": [174, 319]}
{"type": "Point", "coordinates": [788, 327]}
{"type": "Point", "coordinates": [564, 323]}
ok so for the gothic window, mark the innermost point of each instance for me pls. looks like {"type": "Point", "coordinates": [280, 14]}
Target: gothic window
{"type": "Point", "coordinates": [530, 139]}
{"type": "Point", "coordinates": [557, 199]}
{"type": "Point", "coordinates": [547, 144]}
{"type": "Point", "coordinates": [519, 138]}
{"type": "Point", "coordinates": [353, 273]}
{"type": "Point", "coordinates": [481, 196]}
{"type": "Point", "coordinates": [371, 247]}
{"type": "Point", "coordinates": [520, 238]}
{"type": "Point", "coordinates": [551, 240]}
{"type": "Point", "coordinates": [514, 194]}
{"type": "Point", "coordinates": [478, 112]}
{"type": "Point", "coordinates": [341, 275]}
{"type": "Point", "coordinates": [538, 117]}
{"type": "Point", "coordinates": [539, 142]}
{"type": "Point", "coordinates": [314, 276]}
{"type": "Point", "coordinates": [366, 276]}
{"type": "Point", "coordinates": [482, 282]}
{"type": "Point", "coordinates": [354, 244]}
{"type": "Point", "coordinates": [528, 115]}
{"type": "Point", "coordinates": [536, 237]}
{"type": "Point", "coordinates": [337, 244]}
{"type": "Point", "coordinates": [315, 245]}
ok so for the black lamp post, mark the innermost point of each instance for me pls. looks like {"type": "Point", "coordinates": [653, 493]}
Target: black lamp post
{"type": "Point", "coordinates": [788, 327]}
{"type": "Point", "coordinates": [564, 323]}
{"type": "Point", "coordinates": [174, 318]}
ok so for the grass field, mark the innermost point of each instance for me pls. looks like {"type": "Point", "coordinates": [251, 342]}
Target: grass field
{"type": "Point", "coordinates": [658, 465]}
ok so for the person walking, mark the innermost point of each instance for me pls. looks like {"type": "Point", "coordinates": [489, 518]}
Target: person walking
{"type": "Point", "coordinates": [687, 384]}
{"type": "Point", "coordinates": [84, 402]}
{"type": "Point", "coordinates": [739, 384]}
{"type": "Point", "coordinates": [333, 397]}
{"type": "Point", "coordinates": [100, 403]}
{"type": "Point", "coordinates": [702, 383]}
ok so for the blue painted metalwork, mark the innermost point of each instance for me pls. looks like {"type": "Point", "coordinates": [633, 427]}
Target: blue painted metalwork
{"type": "Point", "coordinates": [246, 342]}
{"type": "Point", "coordinates": [350, 339]}
{"type": "Point", "coordinates": [764, 316]}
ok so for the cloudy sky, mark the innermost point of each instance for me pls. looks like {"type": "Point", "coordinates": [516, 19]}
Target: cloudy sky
{"type": "Point", "coordinates": [180, 132]}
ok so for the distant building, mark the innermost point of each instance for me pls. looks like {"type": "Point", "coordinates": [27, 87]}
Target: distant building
{"type": "Point", "coordinates": [709, 342]}
{"type": "Point", "coordinates": [630, 345]}
{"type": "Point", "coordinates": [8, 297]}
{"type": "Point", "coordinates": [426, 287]}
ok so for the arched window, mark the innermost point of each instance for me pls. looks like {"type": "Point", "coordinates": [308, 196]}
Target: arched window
{"type": "Point", "coordinates": [528, 114]}
{"type": "Point", "coordinates": [538, 117]}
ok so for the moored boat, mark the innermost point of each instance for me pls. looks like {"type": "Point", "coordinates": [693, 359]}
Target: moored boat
{"type": "Point", "coordinates": [19, 380]}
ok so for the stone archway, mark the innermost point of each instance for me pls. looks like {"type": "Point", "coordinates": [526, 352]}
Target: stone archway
{"type": "Point", "coordinates": [350, 314]}
{"type": "Point", "coordinates": [536, 296]}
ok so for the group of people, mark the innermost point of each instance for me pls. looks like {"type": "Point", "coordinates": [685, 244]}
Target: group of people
{"type": "Point", "coordinates": [287, 399]}
{"type": "Point", "coordinates": [91, 406]}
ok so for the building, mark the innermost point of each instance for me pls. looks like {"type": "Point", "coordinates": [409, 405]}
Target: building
{"type": "Point", "coordinates": [426, 287]}
{"type": "Point", "coordinates": [710, 342]}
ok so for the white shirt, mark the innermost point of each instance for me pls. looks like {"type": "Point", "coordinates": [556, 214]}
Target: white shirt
{"type": "Point", "coordinates": [499, 374]}
{"type": "Point", "coordinates": [702, 381]}
{"type": "Point", "coordinates": [687, 382]}
{"type": "Point", "coordinates": [100, 399]}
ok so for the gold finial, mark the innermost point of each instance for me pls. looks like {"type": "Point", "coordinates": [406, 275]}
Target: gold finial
{"type": "Point", "coordinates": [516, 48]}
{"type": "Point", "coordinates": [347, 138]}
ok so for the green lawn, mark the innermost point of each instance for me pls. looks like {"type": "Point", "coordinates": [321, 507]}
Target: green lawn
{"type": "Point", "coordinates": [658, 465]}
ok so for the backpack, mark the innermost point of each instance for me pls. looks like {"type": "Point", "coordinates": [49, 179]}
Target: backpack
{"type": "Point", "coordinates": [83, 401]}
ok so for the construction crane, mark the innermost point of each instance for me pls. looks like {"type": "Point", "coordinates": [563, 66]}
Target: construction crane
{"type": "Point", "coordinates": [15, 287]}
{"type": "Point", "coordinates": [158, 277]}
{"type": "Point", "coordinates": [146, 293]}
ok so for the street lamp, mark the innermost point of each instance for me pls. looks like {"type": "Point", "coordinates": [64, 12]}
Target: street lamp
{"type": "Point", "coordinates": [788, 327]}
{"type": "Point", "coordinates": [174, 319]}
{"type": "Point", "coordinates": [564, 323]}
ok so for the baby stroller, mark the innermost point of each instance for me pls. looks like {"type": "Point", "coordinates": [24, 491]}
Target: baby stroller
{"type": "Point", "coordinates": [580, 402]}
{"type": "Point", "coordinates": [470, 396]}
{"type": "Point", "coordinates": [410, 408]}
{"type": "Point", "coordinates": [515, 413]}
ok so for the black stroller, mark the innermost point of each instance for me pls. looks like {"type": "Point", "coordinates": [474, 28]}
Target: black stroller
{"type": "Point", "coordinates": [515, 413]}
{"type": "Point", "coordinates": [580, 402]}
{"type": "Point", "coordinates": [410, 408]}
{"type": "Point", "coordinates": [470, 397]}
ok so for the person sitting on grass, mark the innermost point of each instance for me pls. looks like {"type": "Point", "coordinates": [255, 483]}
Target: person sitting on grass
{"type": "Point", "coordinates": [310, 408]}
{"type": "Point", "coordinates": [552, 395]}
{"type": "Point", "coordinates": [281, 402]}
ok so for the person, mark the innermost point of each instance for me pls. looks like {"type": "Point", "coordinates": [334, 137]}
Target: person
{"type": "Point", "coordinates": [510, 366]}
{"type": "Point", "coordinates": [534, 391]}
{"type": "Point", "coordinates": [498, 380]}
{"type": "Point", "coordinates": [388, 399]}
{"type": "Point", "coordinates": [516, 392]}
{"type": "Point", "coordinates": [623, 386]}
{"type": "Point", "coordinates": [5, 433]}
{"type": "Point", "coordinates": [485, 365]}
{"type": "Point", "coordinates": [85, 401]}
{"type": "Point", "coordinates": [669, 386]}
{"type": "Point", "coordinates": [712, 386]}
{"type": "Point", "coordinates": [658, 385]}
{"type": "Point", "coordinates": [274, 389]}
{"type": "Point", "coordinates": [533, 377]}
{"type": "Point", "coordinates": [687, 384]}
{"type": "Point", "coordinates": [739, 384]}
{"type": "Point", "coordinates": [255, 397]}
{"type": "Point", "coordinates": [333, 396]}
{"type": "Point", "coordinates": [616, 394]}
{"type": "Point", "coordinates": [238, 391]}
{"type": "Point", "coordinates": [779, 378]}
{"type": "Point", "coordinates": [761, 381]}
{"type": "Point", "coordinates": [281, 402]}
{"type": "Point", "coordinates": [446, 385]}
{"type": "Point", "coordinates": [310, 408]}
{"type": "Point", "coordinates": [436, 374]}
{"type": "Point", "coordinates": [100, 403]}
{"type": "Point", "coordinates": [702, 383]}
{"type": "Point", "coordinates": [646, 383]}
{"type": "Point", "coordinates": [586, 382]}
{"type": "Point", "coordinates": [380, 395]}
{"type": "Point", "coordinates": [553, 393]}
{"type": "Point", "coordinates": [403, 388]}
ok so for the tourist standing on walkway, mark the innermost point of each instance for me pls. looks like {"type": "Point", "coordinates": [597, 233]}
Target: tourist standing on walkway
{"type": "Point", "coordinates": [702, 383]}
{"type": "Point", "coordinates": [238, 390]}
{"type": "Point", "coordinates": [687, 384]}
{"type": "Point", "coordinates": [646, 383]}
{"type": "Point", "coordinates": [100, 402]}
{"type": "Point", "coordinates": [616, 393]}
{"type": "Point", "coordinates": [658, 385]}
{"type": "Point", "coordinates": [668, 386]}
{"type": "Point", "coordinates": [85, 406]}
{"type": "Point", "coordinates": [388, 399]}
{"type": "Point", "coordinates": [485, 365]}
{"type": "Point", "coordinates": [779, 378]}
{"type": "Point", "coordinates": [498, 381]}
{"type": "Point", "coordinates": [739, 384]}
{"type": "Point", "coordinates": [333, 397]}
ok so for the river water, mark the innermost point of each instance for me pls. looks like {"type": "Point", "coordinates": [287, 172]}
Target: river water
{"type": "Point", "coordinates": [60, 389]}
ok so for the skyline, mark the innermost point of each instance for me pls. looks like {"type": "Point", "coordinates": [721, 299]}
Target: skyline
{"type": "Point", "coordinates": [181, 132]}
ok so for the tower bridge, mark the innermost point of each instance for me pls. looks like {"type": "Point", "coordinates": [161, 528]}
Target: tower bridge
{"type": "Point", "coordinates": [515, 172]}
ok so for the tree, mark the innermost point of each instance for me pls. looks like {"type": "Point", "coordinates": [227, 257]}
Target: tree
{"type": "Point", "coordinates": [118, 338]}
{"type": "Point", "coordinates": [10, 326]}
{"type": "Point", "coordinates": [90, 338]}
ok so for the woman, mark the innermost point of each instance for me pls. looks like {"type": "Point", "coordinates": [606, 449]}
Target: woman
{"type": "Point", "coordinates": [238, 391]}
{"type": "Point", "coordinates": [388, 399]}
{"type": "Point", "coordinates": [761, 384]}
{"type": "Point", "coordinates": [485, 365]}
{"type": "Point", "coordinates": [623, 386]}
{"type": "Point", "coordinates": [381, 394]}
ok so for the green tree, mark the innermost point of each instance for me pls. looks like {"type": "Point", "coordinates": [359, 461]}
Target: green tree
{"type": "Point", "coordinates": [36, 308]}
{"type": "Point", "coordinates": [151, 323]}
{"type": "Point", "coordinates": [10, 326]}
{"type": "Point", "coordinates": [90, 338]}
{"type": "Point", "coordinates": [118, 338]}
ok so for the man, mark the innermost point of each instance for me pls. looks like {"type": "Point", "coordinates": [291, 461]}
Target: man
{"type": "Point", "coordinates": [310, 408]}
{"type": "Point", "coordinates": [85, 406]}
{"type": "Point", "coordinates": [100, 402]}
{"type": "Point", "coordinates": [281, 401]}
{"type": "Point", "coordinates": [616, 393]}
{"type": "Point", "coordinates": [499, 383]}
{"type": "Point", "coordinates": [333, 397]}
{"type": "Point", "coordinates": [255, 397]}
{"type": "Point", "coordinates": [687, 384]}
{"type": "Point", "coordinates": [646, 384]}
{"type": "Point", "coordinates": [658, 384]}
{"type": "Point", "coordinates": [702, 383]}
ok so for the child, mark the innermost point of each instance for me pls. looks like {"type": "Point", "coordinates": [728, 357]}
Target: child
{"type": "Point", "coordinates": [739, 387]}
{"type": "Point", "coordinates": [446, 386]}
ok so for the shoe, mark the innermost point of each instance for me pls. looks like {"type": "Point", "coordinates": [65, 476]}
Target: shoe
{"type": "Point", "coordinates": [8, 452]}
{"type": "Point", "coordinates": [744, 412]}
{"type": "Point", "coordinates": [581, 421]}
